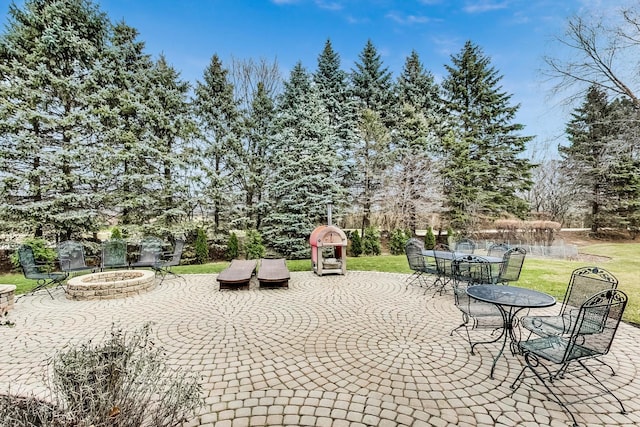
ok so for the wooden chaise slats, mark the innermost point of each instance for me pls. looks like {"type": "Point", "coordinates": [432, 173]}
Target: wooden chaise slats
{"type": "Point", "coordinates": [238, 274]}
{"type": "Point", "coordinates": [273, 272]}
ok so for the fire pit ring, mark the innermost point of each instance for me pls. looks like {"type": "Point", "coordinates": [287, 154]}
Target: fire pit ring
{"type": "Point", "coordinates": [110, 284]}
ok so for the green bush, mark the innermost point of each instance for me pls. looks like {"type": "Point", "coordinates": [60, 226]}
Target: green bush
{"type": "Point", "coordinates": [254, 246]}
{"type": "Point", "coordinates": [397, 241]}
{"type": "Point", "coordinates": [429, 239]}
{"type": "Point", "coordinates": [371, 242]}
{"type": "Point", "coordinates": [356, 243]}
{"type": "Point", "coordinates": [116, 233]}
{"type": "Point", "coordinates": [202, 247]}
{"type": "Point", "coordinates": [233, 246]}
{"type": "Point", "coordinates": [41, 252]}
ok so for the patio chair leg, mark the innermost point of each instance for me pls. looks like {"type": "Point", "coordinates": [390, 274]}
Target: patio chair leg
{"type": "Point", "coordinates": [603, 387]}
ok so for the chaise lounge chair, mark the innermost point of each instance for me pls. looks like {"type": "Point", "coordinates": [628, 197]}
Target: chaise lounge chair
{"type": "Point", "coordinates": [238, 274]}
{"type": "Point", "coordinates": [273, 272]}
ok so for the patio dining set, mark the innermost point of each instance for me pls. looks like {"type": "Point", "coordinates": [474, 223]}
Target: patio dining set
{"type": "Point", "coordinates": [556, 346]}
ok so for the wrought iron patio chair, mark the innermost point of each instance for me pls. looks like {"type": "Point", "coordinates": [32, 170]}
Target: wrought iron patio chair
{"type": "Point", "coordinates": [466, 246]}
{"type": "Point", "coordinates": [418, 263]}
{"type": "Point", "coordinates": [472, 270]}
{"type": "Point", "coordinates": [584, 282]}
{"type": "Point", "coordinates": [498, 249]}
{"type": "Point", "coordinates": [72, 259]}
{"type": "Point", "coordinates": [592, 332]}
{"type": "Point", "coordinates": [511, 267]}
{"type": "Point", "coordinates": [149, 252]}
{"type": "Point", "coordinates": [444, 258]}
{"type": "Point", "coordinates": [39, 272]}
{"type": "Point", "coordinates": [114, 254]}
{"type": "Point", "coordinates": [170, 259]}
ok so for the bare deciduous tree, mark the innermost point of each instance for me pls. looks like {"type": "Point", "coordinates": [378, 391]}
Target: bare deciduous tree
{"type": "Point", "coordinates": [604, 52]}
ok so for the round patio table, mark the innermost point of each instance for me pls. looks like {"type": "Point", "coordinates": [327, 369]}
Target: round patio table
{"type": "Point", "coordinates": [510, 300]}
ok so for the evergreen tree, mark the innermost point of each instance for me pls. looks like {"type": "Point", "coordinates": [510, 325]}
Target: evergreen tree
{"type": "Point", "coordinates": [371, 157]}
{"type": "Point", "coordinates": [416, 87]}
{"type": "Point", "coordinates": [171, 130]}
{"type": "Point", "coordinates": [305, 171]}
{"type": "Point", "coordinates": [335, 95]}
{"type": "Point", "coordinates": [482, 169]}
{"type": "Point", "coordinates": [356, 243]}
{"type": "Point", "coordinates": [219, 122]}
{"type": "Point", "coordinates": [255, 248]}
{"type": "Point", "coordinates": [47, 57]}
{"type": "Point", "coordinates": [251, 170]}
{"type": "Point", "coordinates": [121, 83]}
{"type": "Point", "coordinates": [372, 84]}
{"type": "Point", "coordinates": [201, 247]}
{"type": "Point", "coordinates": [599, 161]}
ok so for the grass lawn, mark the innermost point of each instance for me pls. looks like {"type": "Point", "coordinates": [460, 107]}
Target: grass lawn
{"type": "Point", "coordinates": [546, 275]}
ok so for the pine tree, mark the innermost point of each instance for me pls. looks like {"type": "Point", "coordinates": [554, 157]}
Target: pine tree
{"type": "Point", "coordinates": [372, 84]}
{"type": "Point", "coordinates": [335, 95]}
{"type": "Point", "coordinates": [298, 194]}
{"type": "Point", "coordinates": [371, 156]}
{"type": "Point", "coordinates": [47, 58]}
{"type": "Point", "coordinates": [483, 170]}
{"type": "Point", "coordinates": [251, 170]}
{"type": "Point", "coordinates": [219, 122]}
{"type": "Point", "coordinates": [597, 163]}
{"type": "Point", "coordinates": [171, 130]}
{"type": "Point", "coordinates": [122, 81]}
{"type": "Point", "coordinates": [417, 87]}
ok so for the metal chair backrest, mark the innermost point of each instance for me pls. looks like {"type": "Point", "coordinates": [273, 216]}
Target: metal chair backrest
{"type": "Point", "coordinates": [71, 256]}
{"type": "Point", "coordinates": [28, 262]}
{"type": "Point", "coordinates": [177, 253]}
{"type": "Point", "coordinates": [472, 269]}
{"type": "Point", "coordinates": [498, 249]}
{"type": "Point", "coordinates": [413, 250]}
{"type": "Point", "coordinates": [150, 250]}
{"type": "Point", "coordinates": [467, 246]}
{"type": "Point", "coordinates": [596, 325]}
{"type": "Point", "coordinates": [512, 262]}
{"type": "Point", "coordinates": [114, 254]}
{"type": "Point", "coordinates": [443, 263]}
{"type": "Point", "coordinates": [585, 282]}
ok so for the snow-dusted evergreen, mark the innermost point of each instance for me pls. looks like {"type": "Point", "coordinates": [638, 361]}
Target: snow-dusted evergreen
{"type": "Point", "coordinates": [305, 168]}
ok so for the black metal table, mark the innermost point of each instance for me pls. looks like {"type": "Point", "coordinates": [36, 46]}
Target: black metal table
{"type": "Point", "coordinates": [510, 300]}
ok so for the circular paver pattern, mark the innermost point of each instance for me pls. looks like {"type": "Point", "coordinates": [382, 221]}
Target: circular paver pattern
{"type": "Point", "coordinates": [356, 350]}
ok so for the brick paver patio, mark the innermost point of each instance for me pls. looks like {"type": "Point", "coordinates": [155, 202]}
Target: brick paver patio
{"type": "Point", "coordinates": [352, 350]}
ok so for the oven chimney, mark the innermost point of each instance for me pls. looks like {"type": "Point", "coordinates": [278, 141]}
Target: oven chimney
{"type": "Point", "coordinates": [329, 213]}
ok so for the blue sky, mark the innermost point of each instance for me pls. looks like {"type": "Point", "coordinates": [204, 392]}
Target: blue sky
{"type": "Point", "coordinates": [515, 34]}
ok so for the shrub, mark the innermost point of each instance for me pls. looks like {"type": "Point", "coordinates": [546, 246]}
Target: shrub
{"type": "Point", "coordinates": [41, 252]}
{"type": "Point", "coordinates": [356, 243]}
{"type": "Point", "coordinates": [116, 233]}
{"type": "Point", "coordinates": [371, 242]}
{"type": "Point", "coordinates": [123, 382]}
{"type": "Point", "coordinates": [233, 246]}
{"type": "Point", "coordinates": [255, 248]}
{"type": "Point", "coordinates": [202, 247]}
{"type": "Point", "coordinates": [397, 242]}
{"type": "Point", "coordinates": [429, 239]}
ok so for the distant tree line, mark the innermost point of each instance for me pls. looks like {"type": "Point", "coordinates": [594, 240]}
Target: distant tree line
{"type": "Point", "coordinates": [95, 131]}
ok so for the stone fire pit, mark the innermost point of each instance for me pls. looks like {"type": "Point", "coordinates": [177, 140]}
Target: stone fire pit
{"type": "Point", "coordinates": [110, 284]}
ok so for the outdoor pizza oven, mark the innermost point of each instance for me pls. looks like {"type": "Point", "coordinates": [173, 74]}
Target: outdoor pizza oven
{"type": "Point", "coordinates": [328, 249]}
